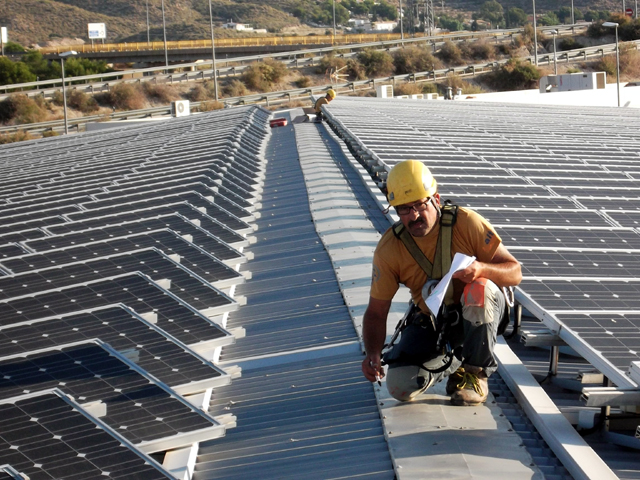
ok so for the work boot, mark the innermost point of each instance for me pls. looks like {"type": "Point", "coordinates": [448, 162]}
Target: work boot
{"type": "Point", "coordinates": [473, 389]}
{"type": "Point", "coordinates": [454, 379]}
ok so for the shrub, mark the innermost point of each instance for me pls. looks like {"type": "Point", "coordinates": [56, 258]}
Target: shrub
{"type": "Point", "coordinates": [514, 75]}
{"type": "Point", "coordinates": [163, 94]}
{"type": "Point", "coordinates": [629, 62]}
{"type": "Point", "coordinates": [569, 44]}
{"type": "Point", "coordinates": [81, 101]}
{"type": "Point", "coordinates": [49, 133]}
{"type": "Point", "coordinates": [356, 70]}
{"type": "Point", "coordinates": [126, 96]}
{"type": "Point", "coordinates": [329, 63]}
{"type": "Point", "coordinates": [262, 75]}
{"type": "Point", "coordinates": [415, 59]}
{"type": "Point", "coordinates": [19, 136]}
{"type": "Point", "coordinates": [478, 50]}
{"type": "Point", "coordinates": [376, 63]}
{"type": "Point", "coordinates": [450, 53]}
{"type": "Point", "coordinates": [210, 106]}
{"type": "Point", "coordinates": [19, 109]}
{"type": "Point", "coordinates": [607, 64]}
{"type": "Point", "coordinates": [303, 82]}
{"type": "Point", "coordinates": [235, 88]}
{"type": "Point", "coordinates": [198, 94]}
{"type": "Point", "coordinates": [407, 89]}
{"type": "Point", "coordinates": [429, 88]}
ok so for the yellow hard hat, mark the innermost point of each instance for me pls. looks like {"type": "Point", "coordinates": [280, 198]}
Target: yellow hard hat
{"type": "Point", "coordinates": [409, 181]}
{"type": "Point", "coordinates": [331, 94]}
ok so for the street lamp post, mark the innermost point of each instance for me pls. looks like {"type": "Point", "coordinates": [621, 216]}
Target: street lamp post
{"type": "Point", "coordinates": [164, 34]}
{"type": "Point", "coordinates": [213, 55]}
{"type": "Point", "coordinates": [614, 24]}
{"type": "Point", "coordinates": [535, 35]}
{"type": "Point", "coordinates": [64, 55]}
{"type": "Point", "coordinates": [555, 57]}
{"type": "Point", "coordinates": [334, 20]}
{"type": "Point", "coordinates": [401, 26]}
{"type": "Point", "coordinates": [148, 31]}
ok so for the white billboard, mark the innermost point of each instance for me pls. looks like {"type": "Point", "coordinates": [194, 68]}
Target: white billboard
{"type": "Point", "coordinates": [97, 30]}
{"type": "Point", "coordinates": [3, 35]}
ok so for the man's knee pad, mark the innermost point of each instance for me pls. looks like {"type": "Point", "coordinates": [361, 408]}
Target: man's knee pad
{"type": "Point", "coordinates": [405, 383]}
{"type": "Point", "coordinates": [481, 302]}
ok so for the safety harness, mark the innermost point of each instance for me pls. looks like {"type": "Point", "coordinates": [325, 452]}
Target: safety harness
{"type": "Point", "coordinates": [449, 314]}
{"type": "Point", "coordinates": [435, 270]}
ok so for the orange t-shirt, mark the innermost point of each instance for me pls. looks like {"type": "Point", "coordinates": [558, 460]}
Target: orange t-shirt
{"type": "Point", "coordinates": [321, 101]}
{"type": "Point", "coordinates": [394, 265]}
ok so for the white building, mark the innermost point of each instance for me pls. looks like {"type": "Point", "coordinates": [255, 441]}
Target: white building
{"type": "Point", "coordinates": [384, 26]}
{"type": "Point", "coordinates": [237, 26]}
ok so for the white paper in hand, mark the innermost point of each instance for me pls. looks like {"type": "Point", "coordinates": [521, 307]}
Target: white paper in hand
{"type": "Point", "coordinates": [434, 300]}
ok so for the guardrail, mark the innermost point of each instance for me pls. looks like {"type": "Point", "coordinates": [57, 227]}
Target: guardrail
{"type": "Point", "coordinates": [274, 98]}
{"type": "Point", "coordinates": [252, 42]}
{"type": "Point", "coordinates": [298, 58]}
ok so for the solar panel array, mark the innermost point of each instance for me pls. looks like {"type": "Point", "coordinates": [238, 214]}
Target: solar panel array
{"type": "Point", "coordinates": [558, 183]}
{"type": "Point", "coordinates": [119, 253]}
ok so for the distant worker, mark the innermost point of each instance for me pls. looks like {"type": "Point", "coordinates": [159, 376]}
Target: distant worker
{"type": "Point", "coordinates": [417, 251]}
{"type": "Point", "coordinates": [331, 94]}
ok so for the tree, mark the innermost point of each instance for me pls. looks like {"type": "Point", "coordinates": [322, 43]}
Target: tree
{"type": "Point", "coordinates": [13, 47]}
{"type": "Point", "coordinates": [14, 72]}
{"type": "Point", "coordinates": [549, 18]}
{"type": "Point", "coordinates": [385, 10]}
{"type": "Point", "coordinates": [376, 63]}
{"type": "Point", "coordinates": [564, 14]}
{"type": "Point", "coordinates": [516, 17]}
{"type": "Point", "coordinates": [492, 12]}
{"type": "Point", "coordinates": [450, 23]}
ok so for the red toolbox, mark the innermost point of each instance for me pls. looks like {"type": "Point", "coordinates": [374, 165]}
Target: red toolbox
{"type": "Point", "coordinates": [278, 122]}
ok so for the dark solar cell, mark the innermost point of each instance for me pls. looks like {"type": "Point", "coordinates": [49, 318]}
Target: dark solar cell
{"type": "Point", "coordinates": [21, 235]}
{"type": "Point", "coordinates": [11, 250]}
{"type": "Point", "coordinates": [45, 437]}
{"type": "Point", "coordinates": [136, 407]}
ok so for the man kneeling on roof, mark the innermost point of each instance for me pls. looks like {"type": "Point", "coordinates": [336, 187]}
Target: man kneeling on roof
{"type": "Point", "coordinates": [331, 94]}
{"type": "Point", "coordinates": [417, 251]}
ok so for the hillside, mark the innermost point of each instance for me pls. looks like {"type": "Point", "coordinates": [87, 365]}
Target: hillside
{"type": "Point", "coordinates": [39, 21]}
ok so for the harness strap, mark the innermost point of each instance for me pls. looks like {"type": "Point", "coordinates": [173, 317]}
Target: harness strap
{"type": "Point", "coordinates": [442, 259]}
{"type": "Point", "coordinates": [412, 247]}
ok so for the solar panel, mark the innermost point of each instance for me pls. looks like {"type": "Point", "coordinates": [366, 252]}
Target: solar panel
{"type": "Point", "coordinates": [141, 410]}
{"type": "Point", "coordinates": [135, 290]}
{"type": "Point", "coordinates": [194, 198]}
{"type": "Point", "coordinates": [576, 232]}
{"type": "Point", "coordinates": [48, 436]}
{"type": "Point", "coordinates": [142, 342]}
{"type": "Point", "coordinates": [152, 262]}
{"type": "Point", "coordinates": [141, 220]}
{"type": "Point", "coordinates": [167, 241]}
